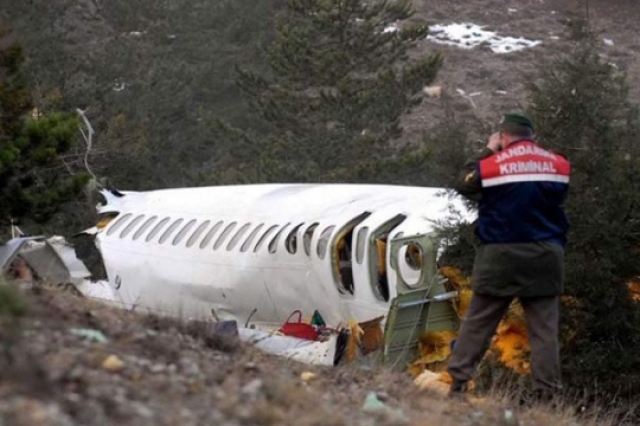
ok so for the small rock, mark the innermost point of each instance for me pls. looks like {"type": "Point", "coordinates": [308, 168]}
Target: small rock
{"type": "Point", "coordinates": [188, 366]}
{"type": "Point", "coordinates": [157, 368]}
{"type": "Point", "coordinates": [251, 366]}
{"type": "Point", "coordinates": [113, 364]}
{"type": "Point", "coordinates": [509, 417]}
{"type": "Point", "coordinates": [142, 410]}
{"type": "Point", "coordinates": [252, 388]}
{"type": "Point", "coordinates": [372, 403]}
{"type": "Point", "coordinates": [382, 396]}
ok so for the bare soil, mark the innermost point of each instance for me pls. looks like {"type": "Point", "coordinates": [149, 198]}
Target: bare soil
{"type": "Point", "coordinates": [173, 373]}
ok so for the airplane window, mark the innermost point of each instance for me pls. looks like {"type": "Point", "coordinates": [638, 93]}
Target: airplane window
{"type": "Point", "coordinates": [413, 256]}
{"type": "Point", "coordinates": [307, 237]}
{"type": "Point", "coordinates": [292, 240]}
{"type": "Point", "coordinates": [264, 237]}
{"type": "Point", "coordinates": [170, 230]}
{"type": "Point", "coordinates": [118, 223]}
{"type": "Point", "coordinates": [361, 244]}
{"type": "Point", "coordinates": [199, 230]}
{"type": "Point", "coordinates": [273, 245]}
{"type": "Point", "coordinates": [183, 232]}
{"type": "Point", "coordinates": [207, 239]}
{"type": "Point", "coordinates": [127, 230]}
{"type": "Point", "coordinates": [224, 234]}
{"type": "Point", "coordinates": [236, 238]}
{"type": "Point", "coordinates": [323, 243]}
{"type": "Point", "coordinates": [144, 227]}
{"type": "Point", "coordinates": [156, 230]}
{"type": "Point", "coordinates": [378, 256]}
{"type": "Point", "coordinates": [250, 238]}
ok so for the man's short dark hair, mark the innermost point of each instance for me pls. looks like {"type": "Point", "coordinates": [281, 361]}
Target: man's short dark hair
{"type": "Point", "coordinates": [516, 130]}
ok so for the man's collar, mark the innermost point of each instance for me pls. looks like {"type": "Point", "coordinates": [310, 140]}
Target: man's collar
{"type": "Point", "coordinates": [519, 141]}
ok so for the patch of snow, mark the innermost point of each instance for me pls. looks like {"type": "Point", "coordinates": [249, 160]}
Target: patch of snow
{"type": "Point", "coordinates": [469, 36]}
{"type": "Point", "coordinates": [500, 92]}
{"type": "Point", "coordinates": [390, 29]}
{"type": "Point", "coordinates": [136, 33]}
{"type": "Point", "coordinates": [608, 41]}
{"type": "Point", "coordinates": [119, 87]}
{"type": "Point", "coordinates": [512, 10]}
{"type": "Point", "coordinates": [172, 36]}
{"type": "Point", "coordinates": [554, 37]}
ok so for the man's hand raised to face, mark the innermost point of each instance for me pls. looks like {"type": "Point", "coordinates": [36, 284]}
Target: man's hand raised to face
{"type": "Point", "coordinates": [494, 142]}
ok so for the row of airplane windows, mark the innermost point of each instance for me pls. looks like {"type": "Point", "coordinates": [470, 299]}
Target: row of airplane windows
{"type": "Point", "coordinates": [291, 241]}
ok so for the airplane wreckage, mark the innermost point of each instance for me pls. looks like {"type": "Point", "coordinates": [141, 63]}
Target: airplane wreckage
{"type": "Point", "coordinates": [321, 274]}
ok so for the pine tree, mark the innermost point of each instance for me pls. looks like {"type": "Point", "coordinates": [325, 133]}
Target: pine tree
{"type": "Point", "coordinates": [33, 179]}
{"type": "Point", "coordinates": [581, 108]}
{"type": "Point", "coordinates": [341, 78]}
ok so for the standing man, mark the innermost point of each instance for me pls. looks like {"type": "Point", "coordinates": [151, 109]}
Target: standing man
{"type": "Point", "coordinates": [522, 228]}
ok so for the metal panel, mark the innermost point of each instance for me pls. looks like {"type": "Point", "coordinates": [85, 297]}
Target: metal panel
{"type": "Point", "coordinates": [414, 312]}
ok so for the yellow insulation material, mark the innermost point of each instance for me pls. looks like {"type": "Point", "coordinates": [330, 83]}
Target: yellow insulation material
{"type": "Point", "coordinates": [511, 343]}
{"type": "Point", "coordinates": [355, 337]}
{"type": "Point", "coordinates": [434, 349]}
{"type": "Point", "coordinates": [634, 289]}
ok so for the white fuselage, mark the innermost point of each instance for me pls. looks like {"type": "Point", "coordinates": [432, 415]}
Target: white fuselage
{"type": "Point", "coordinates": [266, 249]}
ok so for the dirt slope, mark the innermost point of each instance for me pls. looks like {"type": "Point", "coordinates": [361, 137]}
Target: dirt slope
{"type": "Point", "coordinates": [500, 79]}
{"type": "Point", "coordinates": [171, 374]}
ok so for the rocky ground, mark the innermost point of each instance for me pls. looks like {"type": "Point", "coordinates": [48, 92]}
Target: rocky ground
{"type": "Point", "coordinates": [74, 361]}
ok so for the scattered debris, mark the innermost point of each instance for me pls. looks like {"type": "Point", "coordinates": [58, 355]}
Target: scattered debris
{"type": "Point", "coordinates": [113, 364]}
{"type": "Point", "coordinates": [469, 36]}
{"type": "Point", "coordinates": [432, 91]}
{"type": "Point", "coordinates": [91, 334]}
{"type": "Point", "coordinates": [469, 96]}
{"type": "Point", "coordinates": [307, 376]}
{"type": "Point", "coordinates": [53, 260]}
{"type": "Point", "coordinates": [372, 404]}
{"type": "Point", "coordinates": [437, 382]}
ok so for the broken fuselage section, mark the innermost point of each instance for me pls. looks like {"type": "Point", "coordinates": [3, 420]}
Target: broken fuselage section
{"type": "Point", "coordinates": [256, 253]}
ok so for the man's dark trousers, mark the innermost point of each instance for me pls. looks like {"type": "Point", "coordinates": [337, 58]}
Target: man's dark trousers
{"type": "Point", "coordinates": [482, 319]}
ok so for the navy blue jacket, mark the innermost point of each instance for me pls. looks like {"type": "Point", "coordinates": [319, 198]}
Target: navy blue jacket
{"type": "Point", "coordinates": [520, 191]}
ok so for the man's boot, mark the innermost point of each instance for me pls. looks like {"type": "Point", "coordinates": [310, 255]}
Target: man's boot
{"type": "Point", "coordinates": [458, 390]}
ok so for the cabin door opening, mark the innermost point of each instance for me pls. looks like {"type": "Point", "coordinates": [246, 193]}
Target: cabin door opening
{"type": "Point", "coordinates": [342, 255]}
{"type": "Point", "coordinates": [378, 259]}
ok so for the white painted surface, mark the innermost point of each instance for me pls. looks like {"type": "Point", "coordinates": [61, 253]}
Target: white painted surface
{"type": "Point", "coordinates": [190, 282]}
